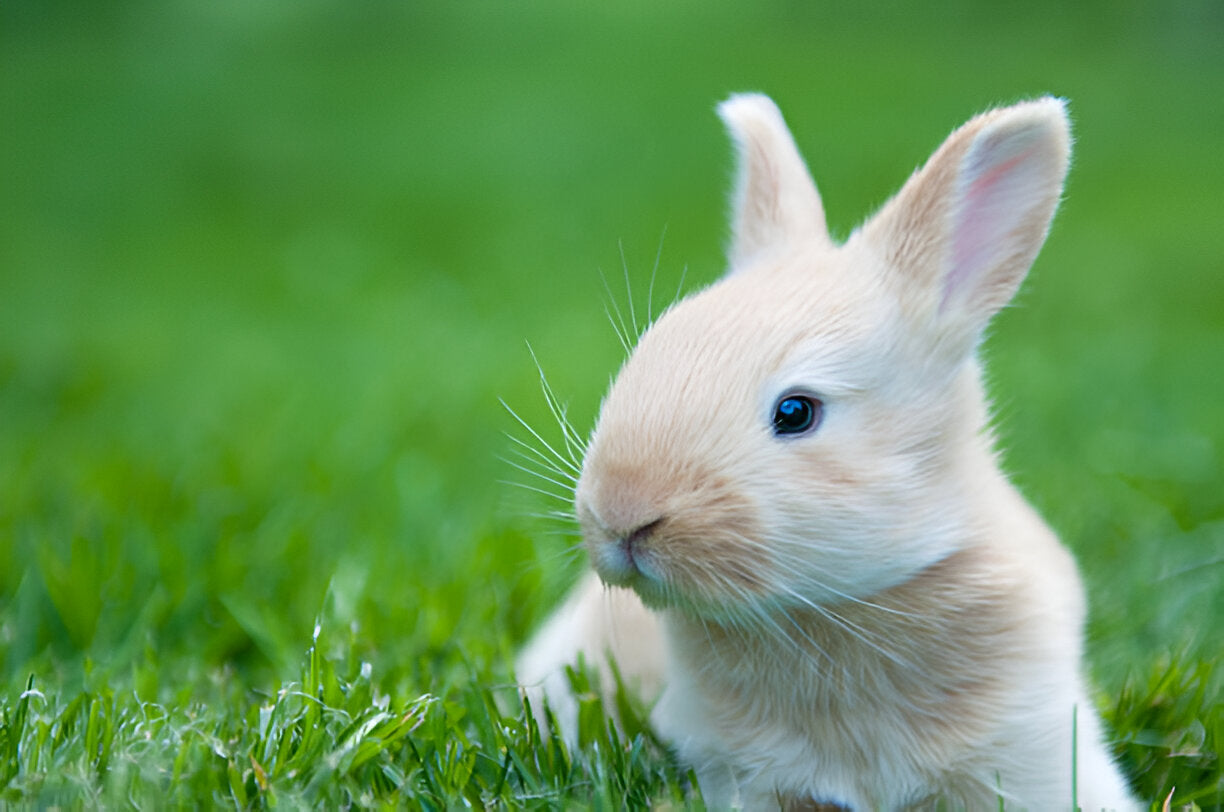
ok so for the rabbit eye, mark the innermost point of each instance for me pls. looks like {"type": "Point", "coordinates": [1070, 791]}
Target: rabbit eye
{"type": "Point", "coordinates": [797, 414]}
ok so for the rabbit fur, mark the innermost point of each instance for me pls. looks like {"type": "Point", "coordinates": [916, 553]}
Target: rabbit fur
{"type": "Point", "coordinates": [867, 614]}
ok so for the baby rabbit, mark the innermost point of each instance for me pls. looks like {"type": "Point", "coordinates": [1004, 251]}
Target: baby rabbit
{"type": "Point", "coordinates": [807, 555]}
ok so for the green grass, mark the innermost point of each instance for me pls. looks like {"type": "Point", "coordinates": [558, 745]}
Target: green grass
{"type": "Point", "coordinates": [265, 270]}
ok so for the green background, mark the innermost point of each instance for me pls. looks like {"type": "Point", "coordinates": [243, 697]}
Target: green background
{"type": "Point", "coordinates": [266, 269]}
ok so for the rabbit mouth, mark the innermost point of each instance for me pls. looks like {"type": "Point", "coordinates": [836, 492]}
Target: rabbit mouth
{"type": "Point", "coordinates": [657, 562]}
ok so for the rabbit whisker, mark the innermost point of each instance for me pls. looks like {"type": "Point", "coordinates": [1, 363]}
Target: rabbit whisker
{"type": "Point", "coordinates": [531, 431]}
{"type": "Point", "coordinates": [574, 444]}
{"type": "Point", "coordinates": [863, 635]}
{"type": "Point", "coordinates": [806, 563]}
{"type": "Point", "coordinates": [637, 333]}
{"type": "Point", "coordinates": [616, 316]}
{"type": "Point", "coordinates": [537, 474]}
{"type": "Point", "coordinates": [624, 342]}
{"type": "Point", "coordinates": [654, 272]}
{"type": "Point", "coordinates": [561, 468]}
{"type": "Point", "coordinates": [534, 489]}
{"type": "Point", "coordinates": [680, 286]}
{"type": "Point", "coordinates": [559, 515]}
{"type": "Point", "coordinates": [536, 465]}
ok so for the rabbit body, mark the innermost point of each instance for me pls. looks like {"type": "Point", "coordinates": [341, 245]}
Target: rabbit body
{"type": "Point", "coordinates": [864, 613]}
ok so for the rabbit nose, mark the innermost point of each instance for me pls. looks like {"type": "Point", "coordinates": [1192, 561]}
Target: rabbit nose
{"type": "Point", "coordinates": [622, 559]}
{"type": "Point", "coordinates": [637, 537]}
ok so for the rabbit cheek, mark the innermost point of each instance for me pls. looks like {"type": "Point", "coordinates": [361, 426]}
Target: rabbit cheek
{"type": "Point", "coordinates": [712, 555]}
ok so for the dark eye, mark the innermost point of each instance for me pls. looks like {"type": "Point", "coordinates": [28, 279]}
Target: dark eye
{"type": "Point", "coordinates": [796, 414]}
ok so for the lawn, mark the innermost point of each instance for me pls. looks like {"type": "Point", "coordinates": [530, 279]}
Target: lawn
{"type": "Point", "coordinates": [266, 270]}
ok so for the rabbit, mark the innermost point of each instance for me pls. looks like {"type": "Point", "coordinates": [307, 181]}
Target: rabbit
{"type": "Point", "coordinates": [805, 553]}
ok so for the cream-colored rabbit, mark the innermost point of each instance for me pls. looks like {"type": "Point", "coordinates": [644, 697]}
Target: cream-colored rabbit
{"type": "Point", "coordinates": [807, 550]}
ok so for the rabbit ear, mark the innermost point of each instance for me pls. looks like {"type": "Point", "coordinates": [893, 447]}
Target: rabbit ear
{"type": "Point", "coordinates": [775, 202]}
{"type": "Point", "coordinates": [963, 231]}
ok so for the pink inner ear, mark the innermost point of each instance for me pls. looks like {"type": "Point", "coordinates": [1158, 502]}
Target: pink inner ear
{"type": "Point", "coordinates": [989, 209]}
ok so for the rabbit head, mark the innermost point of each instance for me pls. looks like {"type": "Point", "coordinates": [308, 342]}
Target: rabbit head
{"type": "Point", "coordinates": [811, 428]}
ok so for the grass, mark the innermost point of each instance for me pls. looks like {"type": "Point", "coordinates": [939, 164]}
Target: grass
{"type": "Point", "coordinates": [265, 271]}
{"type": "Point", "coordinates": [329, 739]}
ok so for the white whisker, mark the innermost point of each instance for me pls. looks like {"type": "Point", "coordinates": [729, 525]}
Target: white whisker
{"type": "Point", "coordinates": [637, 333]}
{"type": "Point", "coordinates": [528, 452]}
{"type": "Point", "coordinates": [530, 430]}
{"type": "Point", "coordinates": [624, 342]}
{"type": "Point", "coordinates": [534, 473]}
{"type": "Point", "coordinates": [559, 497]}
{"type": "Point", "coordinates": [680, 285]}
{"type": "Point", "coordinates": [554, 515]}
{"type": "Point", "coordinates": [771, 547]}
{"type": "Point", "coordinates": [863, 635]}
{"type": "Point", "coordinates": [573, 442]}
{"type": "Point", "coordinates": [654, 272]}
{"type": "Point", "coordinates": [618, 323]}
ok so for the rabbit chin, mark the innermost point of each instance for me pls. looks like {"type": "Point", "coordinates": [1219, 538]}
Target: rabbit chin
{"type": "Point", "coordinates": [616, 566]}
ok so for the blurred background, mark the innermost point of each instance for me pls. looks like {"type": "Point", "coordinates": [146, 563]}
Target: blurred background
{"type": "Point", "coordinates": [266, 269]}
